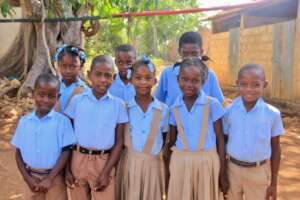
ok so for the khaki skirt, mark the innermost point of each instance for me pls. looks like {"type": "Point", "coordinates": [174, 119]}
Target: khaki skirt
{"type": "Point", "coordinates": [139, 177]}
{"type": "Point", "coordinates": [194, 175]}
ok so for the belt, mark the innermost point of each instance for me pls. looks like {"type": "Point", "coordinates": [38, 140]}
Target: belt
{"type": "Point", "coordinates": [246, 164]}
{"type": "Point", "coordinates": [90, 152]}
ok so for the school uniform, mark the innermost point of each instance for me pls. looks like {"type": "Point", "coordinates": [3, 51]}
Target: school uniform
{"type": "Point", "coordinates": [194, 165]}
{"type": "Point", "coordinates": [141, 169]}
{"type": "Point", "coordinates": [41, 141]}
{"type": "Point", "coordinates": [249, 147]}
{"type": "Point", "coordinates": [67, 92]}
{"type": "Point", "coordinates": [95, 121]}
{"type": "Point", "coordinates": [119, 89]}
{"type": "Point", "coordinates": [168, 89]}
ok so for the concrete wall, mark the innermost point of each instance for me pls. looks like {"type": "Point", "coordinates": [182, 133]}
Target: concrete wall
{"type": "Point", "coordinates": [8, 32]}
{"type": "Point", "coordinates": [272, 46]}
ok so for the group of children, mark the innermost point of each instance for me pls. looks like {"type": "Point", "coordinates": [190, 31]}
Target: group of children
{"type": "Point", "coordinates": [118, 140]}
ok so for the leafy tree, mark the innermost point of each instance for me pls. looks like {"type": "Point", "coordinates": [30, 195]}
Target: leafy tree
{"type": "Point", "coordinates": [33, 49]}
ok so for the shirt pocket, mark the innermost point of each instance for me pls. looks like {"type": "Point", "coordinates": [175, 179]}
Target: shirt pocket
{"type": "Point", "coordinates": [264, 132]}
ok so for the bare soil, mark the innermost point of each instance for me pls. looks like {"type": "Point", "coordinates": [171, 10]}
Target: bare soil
{"type": "Point", "coordinates": [12, 184]}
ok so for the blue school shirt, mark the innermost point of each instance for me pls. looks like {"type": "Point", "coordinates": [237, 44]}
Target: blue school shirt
{"type": "Point", "coordinates": [66, 92]}
{"type": "Point", "coordinates": [95, 120]}
{"type": "Point", "coordinates": [41, 140]}
{"type": "Point", "coordinates": [119, 89]}
{"type": "Point", "coordinates": [168, 88]}
{"type": "Point", "coordinates": [250, 133]}
{"type": "Point", "coordinates": [140, 125]}
{"type": "Point", "coordinates": [191, 121]}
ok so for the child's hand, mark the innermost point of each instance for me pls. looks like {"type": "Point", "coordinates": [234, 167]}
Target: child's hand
{"type": "Point", "coordinates": [45, 184]}
{"type": "Point", "coordinates": [70, 179]}
{"type": "Point", "coordinates": [102, 182]}
{"type": "Point", "coordinates": [33, 183]}
{"type": "Point", "coordinates": [224, 184]}
{"type": "Point", "coordinates": [271, 192]}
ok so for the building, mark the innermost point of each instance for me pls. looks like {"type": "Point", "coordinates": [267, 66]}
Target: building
{"type": "Point", "coordinates": [267, 34]}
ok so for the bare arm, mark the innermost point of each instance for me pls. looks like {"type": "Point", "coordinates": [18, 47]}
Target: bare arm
{"type": "Point", "coordinates": [275, 163]}
{"type": "Point", "coordinates": [46, 183]}
{"type": "Point", "coordinates": [113, 159]}
{"type": "Point", "coordinates": [221, 151]}
{"type": "Point", "coordinates": [31, 181]}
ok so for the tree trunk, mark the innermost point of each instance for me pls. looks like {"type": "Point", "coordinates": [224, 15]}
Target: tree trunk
{"type": "Point", "coordinates": [33, 49]}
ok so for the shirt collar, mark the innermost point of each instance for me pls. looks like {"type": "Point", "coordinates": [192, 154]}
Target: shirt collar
{"type": "Point", "coordinates": [35, 117]}
{"type": "Point", "coordinates": [175, 69]}
{"type": "Point", "coordinates": [154, 104]}
{"type": "Point", "coordinates": [119, 80]}
{"type": "Point", "coordinates": [90, 95]}
{"type": "Point", "coordinates": [201, 99]}
{"type": "Point", "coordinates": [77, 82]}
{"type": "Point", "coordinates": [239, 102]}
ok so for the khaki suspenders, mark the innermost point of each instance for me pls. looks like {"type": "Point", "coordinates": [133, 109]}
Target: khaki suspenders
{"type": "Point", "coordinates": [203, 130]}
{"type": "Point", "coordinates": [204, 125]}
{"type": "Point", "coordinates": [180, 129]}
{"type": "Point", "coordinates": [157, 114]}
{"type": "Point", "coordinates": [153, 131]}
{"type": "Point", "coordinates": [76, 91]}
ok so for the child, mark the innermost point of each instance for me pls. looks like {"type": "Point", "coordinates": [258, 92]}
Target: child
{"type": "Point", "coordinates": [70, 63]}
{"type": "Point", "coordinates": [121, 87]}
{"type": "Point", "coordinates": [99, 120]}
{"type": "Point", "coordinates": [42, 142]}
{"type": "Point", "coordinates": [253, 128]}
{"type": "Point", "coordinates": [140, 172]}
{"type": "Point", "coordinates": [198, 157]}
{"type": "Point", "coordinates": [190, 45]}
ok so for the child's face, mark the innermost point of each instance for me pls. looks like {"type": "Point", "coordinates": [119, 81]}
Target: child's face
{"type": "Point", "coordinates": [69, 68]}
{"type": "Point", "coordinates": [124, 60]}
{"type": "Point", "coordinates": [143, 80]}
{"type": "Point", "coordinates": [251, 85]}
{"type": "Point", "coordinates": [45, 97]}
{"type": "Point", "coordinates": [189, 50]}
{"type": "Point", "coordinates": [190, 81]}
{"type": "Point", "coordinates": [101, 77]}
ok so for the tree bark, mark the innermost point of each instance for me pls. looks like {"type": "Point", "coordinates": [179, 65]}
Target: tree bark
{"type": "Point", "coordinates": [33, 50]}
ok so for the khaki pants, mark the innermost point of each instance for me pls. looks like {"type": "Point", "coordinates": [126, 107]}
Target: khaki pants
{"type": "Point", "coordinates": [86, 169]}
{"type": "Point", "coordinates": [250, 182]}
{"type": "Point", "coordinates": [58, 191]}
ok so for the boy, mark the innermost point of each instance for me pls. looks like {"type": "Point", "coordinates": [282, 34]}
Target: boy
{"type": "Point", "coordinates": [253, 128]}
{"type": "Point", "coordinates": [121, 86]}
{"type": "Point", "coordinates": [42, 142]}
{"type": "Point", "coordinates": [190, 45]}
{"type": "Point", "coordinates": [99, 119]}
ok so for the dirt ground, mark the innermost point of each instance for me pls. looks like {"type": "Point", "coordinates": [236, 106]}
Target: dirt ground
{"type": "Point", "coordinates": [11, 187]}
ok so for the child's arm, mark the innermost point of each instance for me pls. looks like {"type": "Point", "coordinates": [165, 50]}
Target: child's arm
{"type": "Point", "coordinates": [275, 162]}
{"type": "Point", "coordinates": [221, 151]}
{"type": "Point", "coordinates": [31, 181]}
{"type": "Point", "coordinates": [46, 183]}
{"type": "Point", "coordinates": [103, 180]}
{"type": "Point", "coordinates": [160, 92]}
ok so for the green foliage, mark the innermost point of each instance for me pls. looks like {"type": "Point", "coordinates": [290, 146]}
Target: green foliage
{"type": "Point", "coordinates": [5, 9]}
{"type": "Point", "coordinates": [150, 35]}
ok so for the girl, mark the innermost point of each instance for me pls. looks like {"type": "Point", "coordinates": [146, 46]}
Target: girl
{"type": "Point", "coordinates": [140, 172]}
{"type": "Point", "coordinates": [70, 63]}
{"type": "Point", "coordinates": [198, 157]}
